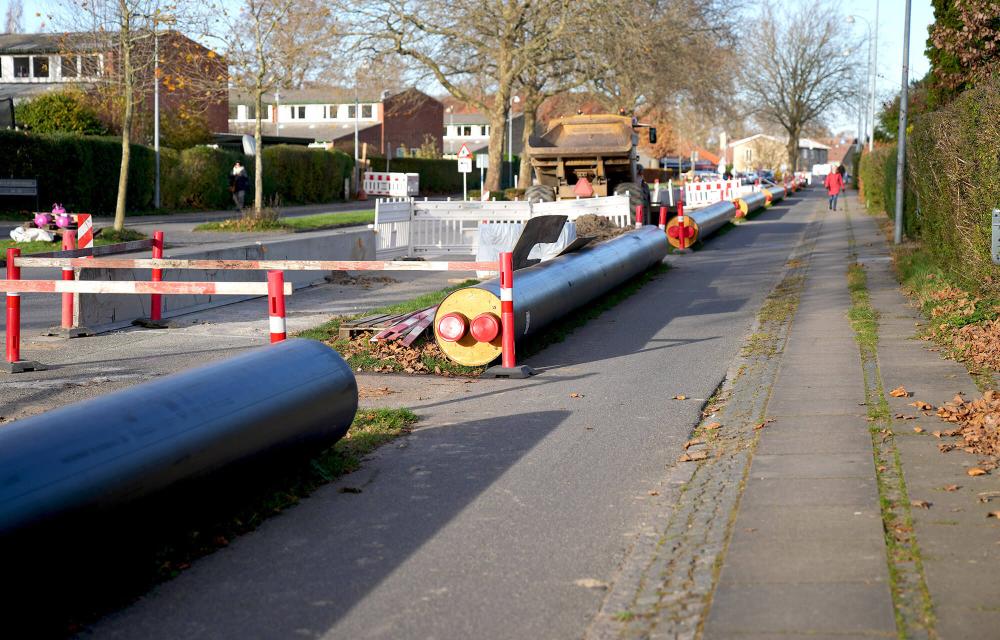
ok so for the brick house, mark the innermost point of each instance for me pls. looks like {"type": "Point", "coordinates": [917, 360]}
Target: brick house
{"type": "Point", "coordinates": [395, 124]}
{"type": "Point", "coordinates": [35, 63]}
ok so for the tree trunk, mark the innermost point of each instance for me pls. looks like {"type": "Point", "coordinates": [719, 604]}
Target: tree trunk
{"type": "Point", "coordinates": [258, 159]}
{"type": "Point", "coordinates": [124, 42]}
{"type": "Point", "coordinates": [793, 150]}
{"type": "Point", "coordinates": [498, 132]}
{"type": "Point", "coordinates": [531, 105]}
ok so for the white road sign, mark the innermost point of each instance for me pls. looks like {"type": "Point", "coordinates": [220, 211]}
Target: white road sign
{"type": "Point", "coordinates": [464, 165]}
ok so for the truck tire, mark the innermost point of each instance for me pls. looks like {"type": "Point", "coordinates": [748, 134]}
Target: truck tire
{"type": "Point", "coordinates": [636, 196]}
{"type": "Point", "coordinates": [540, 193]}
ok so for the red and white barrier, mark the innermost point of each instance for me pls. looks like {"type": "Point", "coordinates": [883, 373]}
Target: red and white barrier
{"type": "Point", "coordinates": [155, 301]}
{"type": "Point", "coordinates": [253, 265]}
{"type": "Point", "coordinates": [507, 358]}
{"type": "Point", "coordinates": [139, 287]}
{"type": "Point", "coordinates": [85, 231]}
{"type": "Point", "coordinates": [638, 216]}
{"type": "Point", "coordinates": [702, 194]}
{"type": "Point", "coordinates": [13, 342]}
{"type": "Point", "coordinates": [396, 185]}
{"type": "Point", "coordinates": [663, 219]}
{"type": "Point", "coordinates": [276, 305]}
{"type": "Point", "coordinates": [68, 242]}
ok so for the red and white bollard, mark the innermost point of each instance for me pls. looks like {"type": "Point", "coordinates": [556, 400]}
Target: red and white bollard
{"type": "Point", "coordinates": [638, 216]}
{"type": "Point", "coordinates": [276, 305]}
{"type": "Point", "coordinates": [508, 362]}
{"type": "Point", "coordinates": [155, 299]}
{"type": "Point", "coordinates": [68, 244]}
{"type": "Point", "coordinates": [13, 363]}
{"type": "Point", "coordinates": [663, 219]}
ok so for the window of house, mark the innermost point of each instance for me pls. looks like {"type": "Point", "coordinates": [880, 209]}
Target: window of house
{"type": "Point", "coordinates": [68, 67]}
{"type": "Point", "coordinates": [40, 66]}
{"type": "Point", "coordinates": [21, 65]}
{"type": "Point", "coordinates": [466, 130]}
{"type": "Point", "coordinates": [297, 112]}
{"type": "Point", "coordinates": [234, 110]}
{"type": "Point", "coordinates": [486, 130]}
{"type": "Point", "coordinates": [366, 111]}
{"type": "Point", "coordinates": [352, 111]}
{"type": "Point", "coordinates": [447, 132]}
{"type": "Point", "coordinates": [251, 112]}
{"type": "Point", "coordinates": [748, 155]}
{"type": "Point", "coordinates": [90, 66]}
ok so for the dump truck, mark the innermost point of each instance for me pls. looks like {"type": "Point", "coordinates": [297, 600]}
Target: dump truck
{"type": "Point", "coordinates": [587, 156]}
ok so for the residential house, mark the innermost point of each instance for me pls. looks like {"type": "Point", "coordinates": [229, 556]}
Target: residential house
{"type": "Point", "coordinates": [398, 124]}
{"type": "Point", "coordinates": [35, 63]}
{"type": "Point", "coordinates": [762, 151]}
{"type": "Point", "coordinates": [473, 130]}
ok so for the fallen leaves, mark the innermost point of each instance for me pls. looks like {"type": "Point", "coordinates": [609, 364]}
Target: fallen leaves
{"type": "Point", "coordinates": [918, 429]}
{"type": "Point", "coordinates": [976, 421]}
{"type": "Point", "coordinates": [590, 583]}
{"type": "Point", "coordinates": [951, 487]}
{"type": "Point", "coordinates": [654, 493]}
{"type": "Point", "coordinates": [922, 406]}
{"type": "Point", "coordinates": [693, 456]}
{"type": "Point", "coordinates": [975, 471]}
{"type": "Point", "coordinates": [575, 395]}
{"type": "Point", "coordinates": [899, 392]}
{"type": "Point", "coordinates": [679, 397]}
{"type": "Point", "coordinates": [712, 425]}
{"type": "Point", "coordinates": [993, 514]}
{"type": "Point", "coordinates": [691, 443]}
{"type": "Point", "coordinates": [920, 504]}
{"type": "Point", "coordinates": [763, 424]}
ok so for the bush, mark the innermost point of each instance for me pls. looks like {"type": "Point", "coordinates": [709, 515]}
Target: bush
{"type": "Point", "coordinates": [81, 172]}
{"type": "Point", "coordinates": [201, 179]}
{"type": "Point", "coordinates": [59, 112]}
{"type": "Point", "coordinates": [299, 175]}
{"type": "Point", "coordinates": [954, 176]}
{"type": "Point", "coordinates": [872, 176]}
{"type": "Point", "coordinates": [437, 177]}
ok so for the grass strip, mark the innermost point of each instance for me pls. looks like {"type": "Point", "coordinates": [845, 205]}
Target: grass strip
{"type": "Point", "coordinates": [299, 223]}
{"type": "Point", "coordinates": [911, 598]}
{"type": "Point", "coordinates": [107, 236]}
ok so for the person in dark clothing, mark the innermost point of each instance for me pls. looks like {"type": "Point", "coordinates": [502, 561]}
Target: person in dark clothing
{"type": "Point", "coordinates": [239, 183]}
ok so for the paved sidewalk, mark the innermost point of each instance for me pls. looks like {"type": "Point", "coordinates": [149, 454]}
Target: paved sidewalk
{"type": "Point", "coordinates": [807, 555]}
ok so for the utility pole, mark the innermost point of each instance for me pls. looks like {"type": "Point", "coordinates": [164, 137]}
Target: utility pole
{"type": "Point", "coordinates": [871, 106]}
{"type": "Point", "coordinates": [901, 134]}
{"type": "Point", "coordinates": [156, 112]}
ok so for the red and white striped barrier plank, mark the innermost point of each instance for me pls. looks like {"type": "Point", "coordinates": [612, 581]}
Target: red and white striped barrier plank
{"type": "Point", "coordinates": [85, 231]}
{"type": "Point", "coordinates": [166, 288]}
{"type": "Point", "coordinates": [417, 330]}
{"type": "Point", "coordinates": [253, 265]}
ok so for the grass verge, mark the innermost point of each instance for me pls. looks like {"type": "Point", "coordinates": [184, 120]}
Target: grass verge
{"type": "Point", "coordinates": [911, 599]}
{"type": "Point", "coordinates": [107, 236]}
{"type": "Point", "coordinates": [299, 223]}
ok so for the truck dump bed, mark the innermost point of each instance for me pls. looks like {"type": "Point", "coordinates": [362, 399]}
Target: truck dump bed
{"type": "Point", "coordinates": [594, 135]}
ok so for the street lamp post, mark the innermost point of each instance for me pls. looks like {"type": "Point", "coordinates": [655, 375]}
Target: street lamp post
{"type": "Point", "coordinates": [901, 133]}
{"type": "Point", "coordinates": [157, 20]}
{"type": "Point", "coordinates": [510, 138]}
{"type": "Point", "coordinates": [863, 115]}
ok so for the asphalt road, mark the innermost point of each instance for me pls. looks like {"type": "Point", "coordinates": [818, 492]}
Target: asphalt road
{"type": "Point", "coordinates": [490, 519]}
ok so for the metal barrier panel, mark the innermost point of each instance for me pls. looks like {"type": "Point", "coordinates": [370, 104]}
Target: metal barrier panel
{"type": "Point", "coordinates": [392, 228]}
{"type": "Point", "coordinates": [614, 207]}
{"type": "Point", "coordinates": [395, 185]}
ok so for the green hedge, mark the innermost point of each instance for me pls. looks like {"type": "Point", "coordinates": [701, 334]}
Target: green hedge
{"type": "Point", "coordinates": [952, 184]}
{"type": "Point", "coordinates": [439, 177]}
{"type": "Point", "coordinates": [80, 172]}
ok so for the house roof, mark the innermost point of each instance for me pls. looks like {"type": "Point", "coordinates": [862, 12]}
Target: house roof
{"type": "Point", "coordinates": [804, 143]}
{"type": "Point", "coordinates": [471, 118]}
{"type": "Point", "coordinates": [315, 95]}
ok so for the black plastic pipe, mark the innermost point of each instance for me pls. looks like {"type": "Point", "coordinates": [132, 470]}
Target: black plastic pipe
{"type": "Point", "coordinates": [111, 450]}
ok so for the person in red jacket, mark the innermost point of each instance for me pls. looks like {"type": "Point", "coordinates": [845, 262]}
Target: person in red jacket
{"type": "Point", "coordinates": [834, 183]}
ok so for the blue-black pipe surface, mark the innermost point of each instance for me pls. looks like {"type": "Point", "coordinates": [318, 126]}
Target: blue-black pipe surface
{"type": "Point", "coordinates": [113, 449]}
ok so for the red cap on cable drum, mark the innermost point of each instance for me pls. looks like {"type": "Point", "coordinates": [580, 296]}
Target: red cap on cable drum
{"type": "Point", "coordinates": [485, 327]}
{"type": "Point", "coordinates": [452, 327]}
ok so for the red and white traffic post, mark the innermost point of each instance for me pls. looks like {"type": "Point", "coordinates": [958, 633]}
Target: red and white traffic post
{"type": "Point", "coordinates": [155, 300]}
{"type": "Point", "coordinates": [13, 363]}
{"type": "Point", "coordinates": [276, 305]}
{"type": "Point", "coordinates": [68, 244]}
{"type": "Point", "coordinates": [638, 216]}
{"type": "Point", "coordinates": [663, 219]}
{"type": "Point", "coordinates": [508, 361]}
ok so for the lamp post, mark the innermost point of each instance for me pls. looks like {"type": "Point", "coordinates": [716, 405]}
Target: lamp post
{"type": "Point", "coordinates": [157, 20]}
{"type": "Point", "coordinates": [510, 138]}
{"type": "Point", "coordinates": [872, 73]}
{"type": "Point", "coordinates": [901, 133]}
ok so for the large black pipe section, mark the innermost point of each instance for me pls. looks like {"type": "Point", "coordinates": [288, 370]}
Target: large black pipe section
{"type": "Point", "coordinates": [111, 450]}
{"type": "Point", "coordinates": [548, 291]}
{"type": "Point", "coordinates": [698, 224]}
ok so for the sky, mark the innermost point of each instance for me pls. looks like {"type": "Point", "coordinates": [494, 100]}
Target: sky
{"type": "Point", "coordinates": [890, 38]}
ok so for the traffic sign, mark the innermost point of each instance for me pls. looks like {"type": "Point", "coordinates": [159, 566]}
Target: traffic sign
{"type": "Point", "coordinates": [464, 165]}
{"type": "Point", "coordinates": [464, 152]}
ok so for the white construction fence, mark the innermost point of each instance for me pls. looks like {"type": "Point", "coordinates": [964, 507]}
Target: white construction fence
{"type": "Point", "coordinates": [395, 185]}
{"type": "Point", "coordinates": [408, 227]}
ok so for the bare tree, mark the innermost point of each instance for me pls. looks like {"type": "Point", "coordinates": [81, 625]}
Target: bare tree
{"type": "Point", "coordinates": [476, 49]}
{"type": "Point", "coordinates": [13, 17]}
{"type": "Point", "coordinates": [802, 67]}
{"type": "Point", "coordinates": [255, 30]}
{"type": "Point", "coordinates": [304, 48]}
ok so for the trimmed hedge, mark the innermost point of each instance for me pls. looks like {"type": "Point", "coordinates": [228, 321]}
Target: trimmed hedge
{"type": "Point", "coordinates": [952, 185]}
{"type": "Point", "coordinates": [439, 176]}
{"type": "Point", "coordinates": [81, 172]}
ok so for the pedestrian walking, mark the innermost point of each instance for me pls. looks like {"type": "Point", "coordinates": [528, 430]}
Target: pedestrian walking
{"type": "Point", "coordinates": [834, 183]}
{"type": "Point", "coordinates": [239, 182]}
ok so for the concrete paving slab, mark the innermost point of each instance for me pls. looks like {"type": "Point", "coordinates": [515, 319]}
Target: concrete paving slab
{"type": "Point", "coordinates": [786, 492]}
{"type": "Point", "coordinates": [814, 465]}
{"type": "Point", "coordinates": [816, 441]}
{"type": "Point", "coordinates": [818, 521]}
{"type": "Point", "coordinates": [802, 560]}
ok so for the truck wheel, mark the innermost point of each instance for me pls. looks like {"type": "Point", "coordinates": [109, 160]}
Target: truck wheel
{"type": "Point", "coordinates": [540, 193]}
{"type": "Point", "coordinates": [636, 196]}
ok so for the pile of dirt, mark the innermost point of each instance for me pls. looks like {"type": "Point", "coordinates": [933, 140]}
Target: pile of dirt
{"type": "Point", "coordinates": [977, 422]}
{"type": "Point", "coordinates": [597, 227]}
{"type": "Point", "coordinates": [366, 282]}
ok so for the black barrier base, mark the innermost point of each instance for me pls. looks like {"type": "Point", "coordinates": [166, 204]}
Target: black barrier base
{"type": "Point", "coordinates": [72, 332]}
{"type": "Point", "coordinates": [21, 366]}
{"type": "Point", "coordinates": [146, 323]}
{"type": "Point", "coordinates": [514, 373]}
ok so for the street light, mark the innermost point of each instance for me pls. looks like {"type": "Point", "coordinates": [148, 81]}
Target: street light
{"type": "Point", "coordinates": [510, 137]}
{"type": "Point", "coordinates": [872, 69]}
{"type": "Point", "coordinates": [157, 20]}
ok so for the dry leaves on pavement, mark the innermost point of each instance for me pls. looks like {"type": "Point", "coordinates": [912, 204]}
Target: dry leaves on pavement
{"type": "Point", "coordinates": [899, 392]}
{"type": "Point", "coordinates": [693, 456]}
{"type": "Point", "coordinates": [680, 397]}
{"type": "Point", "coordinates": [975, 471]}
{"type": "Point", "coordinates": [977, 422]}
{"type": "Point", "coordinates": [712, 425]}
{"type": "Point", "coordinates": [923, 504]}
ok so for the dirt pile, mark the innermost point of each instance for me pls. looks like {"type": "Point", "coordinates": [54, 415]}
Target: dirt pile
{"type": "Point", "coordinates": [597, 227]}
